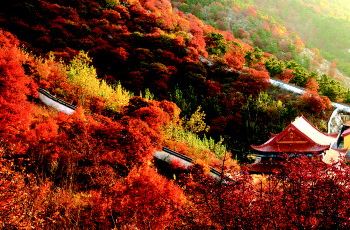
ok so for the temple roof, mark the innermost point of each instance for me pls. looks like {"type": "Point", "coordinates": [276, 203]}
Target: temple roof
{"type": "Point", "coordinates": [298, 137]}
{"type": "Point", "coordinates": [312, 132]}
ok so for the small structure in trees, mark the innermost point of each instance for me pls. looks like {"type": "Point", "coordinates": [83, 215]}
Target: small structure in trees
{"type": "Point", "coordinates": [346, 146]}
{"type": "Point", "coordinates": [300, 138]}
{"type": "Point", "coordinates": [342, 145]}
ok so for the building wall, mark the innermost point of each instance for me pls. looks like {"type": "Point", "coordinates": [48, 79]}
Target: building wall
{"type": "Point", "coordinates": [347, 142]}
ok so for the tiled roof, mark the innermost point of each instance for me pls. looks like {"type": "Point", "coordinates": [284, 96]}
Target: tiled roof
{"type": "Point", "coordinates": [298, 137]}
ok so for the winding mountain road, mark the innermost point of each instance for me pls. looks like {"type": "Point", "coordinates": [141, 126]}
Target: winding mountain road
{"type": "Point", "coordinates": [282, 85]}
{"type": "Point", "coordinates": [298, 90]}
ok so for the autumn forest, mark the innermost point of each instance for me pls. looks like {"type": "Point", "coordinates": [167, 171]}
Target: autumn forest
{"type": "Point", "coordinates": [146, 74]}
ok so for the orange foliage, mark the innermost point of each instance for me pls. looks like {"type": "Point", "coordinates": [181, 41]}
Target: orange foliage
{"type": "Point", "coordinates": [147, 199]}
{"type": "Point", "coordinates": [121, 53]}
{"type": "Point", "coordinates": [53, 77]}
{"type": "Point", "coordinates": [15, 85]}
{"type": "Point", "coordinates": [252, 82]}
{"type": "Point", "coordinates": [312, 85]}
{"type": "Point", "coordinates": [171, 109]}
{"type": "Point", "coordinates": [12, 195]}
{"type": "Point", "coordinates": [45, 130]}
{"type": "Point", "coordinates": [154, 116]}
{"type": "Point", "coordinates": [235, 59]}
{"type": "Point", "coordinates": [286, 75]}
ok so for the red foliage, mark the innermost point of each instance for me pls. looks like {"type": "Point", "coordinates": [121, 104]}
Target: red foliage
{"type": "Point", "coordinates": [315, 103]}
{"type": "Point", "coordinates": [96, 170]}
{"type": "Point", "coordinates": [312, 85]}
{"type": "Point", "coordinates": [147, 199]}
{"type": "Point", "coordinates": [121, 54]}
{"type": "Point", "coordinates": [252, 82]}
{"type": "Point", "coordinates": [219, 124]}
{"type": "Point", "coordinates": [306, 194]}
{"type": "Point", "coordinates": [45, 131]}
{"type": "Point", "coordinates": [12, 194]}
{"type": "Point", "coordinates": [214, 88]}
{"type": "Point", "coordinates": [318, 197]}
{"type": "Point", "coordinates": [286, 75]}
{"type": "Point", "coordinates": [251, 11]}
{"type": "Point", "coordinates": [15, 85]}
{"type": "Point", "coordinates": [112, 16]}
{"type": "Point", "coordinates": [154, 116]}
{"type": "Point", "coordinates": [235, 59]}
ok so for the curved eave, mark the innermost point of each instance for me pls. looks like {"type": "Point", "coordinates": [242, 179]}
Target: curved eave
{"type": "Point", "coordinates": [292, 149]}
{"type": "Point", "coordinates": [313, 134]}
{"type": "Point", "coordinates": [302, 144]}
{"type": "Point", "coordinates": [341, 150]}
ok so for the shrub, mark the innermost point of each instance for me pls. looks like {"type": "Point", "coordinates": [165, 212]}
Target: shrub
{"type": "Point", "coordinates": [112, 3]}
{"type": "Point", "coordinates": [194, 141]}
{"type": "Point", "coordinates": [216, 44]}
{"type": "Point", "coordinates": [83, 75]}
{"type": "Point", "coordinates": [196, 123]}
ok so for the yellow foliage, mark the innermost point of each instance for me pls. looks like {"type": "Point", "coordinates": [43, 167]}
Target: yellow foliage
{"type": "Point", "coordinates": [82, 74]}
{"type": "Point", "coordinates": [112, 3]}
{"type": "Point", "coordinates": [178, 134]}
{"type": "Point", "coordinates": [196, 123]}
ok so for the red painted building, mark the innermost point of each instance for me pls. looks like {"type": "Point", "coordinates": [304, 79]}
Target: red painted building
{"type": "Point", "coordinates": [298, 138]}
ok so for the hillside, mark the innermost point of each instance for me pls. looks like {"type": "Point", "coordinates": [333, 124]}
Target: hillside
{"type": "Point", "coordinates": [73, 170]}
{"type": "Point", "coordinates": [307, 33]}
{"type": "Point", "coordinates": [144, 75]}
{"type": "Point", "coordinates": [148, 45]}
{"type": "Point", "coordinates": [323, 26]}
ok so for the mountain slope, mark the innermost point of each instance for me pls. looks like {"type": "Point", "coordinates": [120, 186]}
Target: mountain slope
{"type": "Point", "coordinates": [84, 169]}
{"type": "Point", "coordinates": [150, 45]}
{"type": "Point", "coordinates": [322, 25]}
{"type": "Point", "coordinates": [282, 28]}
{"type": "Point", "coordinates": [95, 169]}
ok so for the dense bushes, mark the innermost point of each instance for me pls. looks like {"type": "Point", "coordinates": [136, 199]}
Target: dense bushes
{"type": "Point", "coordinates": [95, 168]}
{"type": "Point", "coordinates": [84, 76]}
{"type": "Point", "coordinates": [148, 45]}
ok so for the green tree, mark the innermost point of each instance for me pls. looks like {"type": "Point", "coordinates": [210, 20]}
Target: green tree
{"type": "Point", "coordinates": [330, 88]}
{"type": "Point", "coordinates": [301, 75]}
{"type": "Point", "coordinates": [112, 3]}
{"type": "Point", "coordinates": [347, 96]}
{"type": "Point", "coordinates": [254, 56]}
{"type": "Point", "coordinates": [216, 44]}
{"type": "Point", "coordinates": [275, 66]}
